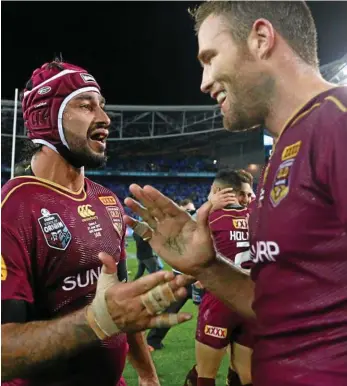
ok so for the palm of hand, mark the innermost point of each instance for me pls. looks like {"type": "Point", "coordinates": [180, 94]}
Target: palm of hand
{"type": "Point", "coordinates": [181, 243]}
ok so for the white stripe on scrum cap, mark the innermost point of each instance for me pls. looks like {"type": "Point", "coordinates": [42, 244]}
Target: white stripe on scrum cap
{"type": "Point", "coordinates": [60, 74]}
{"type": "Point", "coordinates": [43, 142]}
{"type": "Point", "coordinates": [62, 108]}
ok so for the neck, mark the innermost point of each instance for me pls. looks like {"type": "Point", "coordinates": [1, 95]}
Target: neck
{"type": "Point", "coordinates": [294, 88]}
{"type": "Point", "coordinates": [52, 166]}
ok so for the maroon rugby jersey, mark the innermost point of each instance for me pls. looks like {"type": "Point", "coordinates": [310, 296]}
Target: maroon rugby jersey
{"type": "Point", "coordinates": [51, 238]}
{"type": "Point", "coordinates": [229, 228]}
{"type": "Point", "coordinates": [299, 247]}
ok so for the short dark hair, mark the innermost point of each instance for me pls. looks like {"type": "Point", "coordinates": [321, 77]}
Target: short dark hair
{"type": "Point", "coordinates": [291, 19]}
{"type": "Point", "coordinates": [229, 178]}
{"type": "Point", "coordinates": [185, 202]}
{"type": "Point", "coordinates": [245, 176]}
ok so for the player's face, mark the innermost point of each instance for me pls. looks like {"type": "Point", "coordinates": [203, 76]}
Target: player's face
{"type": "Point", "coordinates": [233, 76]}
{"type": "Point", "coordinates": [244, 196]}
{"type": "Point", "coordinates": [189, 207]}
{"type": "Point", "coordinates": [86, 128]}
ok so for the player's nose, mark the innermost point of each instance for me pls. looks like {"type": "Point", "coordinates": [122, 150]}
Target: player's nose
{"type": "Point", "coordinates": [206, 81]}
{"type": "Point", "coordinates": [102, 117]}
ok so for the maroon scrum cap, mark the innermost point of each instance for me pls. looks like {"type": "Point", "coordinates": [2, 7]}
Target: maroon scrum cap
{"type": "Point", "coordinates": [43, 105]}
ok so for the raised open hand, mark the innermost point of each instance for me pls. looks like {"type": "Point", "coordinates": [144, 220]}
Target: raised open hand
{"type": "Point", "coordinates": [182, 242]}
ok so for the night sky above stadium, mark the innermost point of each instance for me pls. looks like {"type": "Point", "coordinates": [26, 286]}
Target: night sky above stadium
{"type": "Point", "coordinates": [140, 52]}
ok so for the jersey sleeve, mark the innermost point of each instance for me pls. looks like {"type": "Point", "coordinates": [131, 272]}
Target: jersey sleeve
{"type": "Point", "coordinates": [220, 228]}
{"type": "Point", "coordinates": [338, 172]}
{"type": "Point", "coordinates": [231, 237]}
{"type": "Point", "coordinates": [15, 266]}
{"type": "Point", "coordinates": [331, 165]}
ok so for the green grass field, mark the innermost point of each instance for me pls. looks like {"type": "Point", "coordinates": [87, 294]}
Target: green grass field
{"type": "Point", "coordinates": [177, 358]}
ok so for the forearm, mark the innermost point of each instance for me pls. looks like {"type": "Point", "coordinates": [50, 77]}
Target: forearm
{"type": "Point", "coordinates": [139, 355]}
{"type": "Point", "coordinates": [234, 288]}
{"type": "Point", "coordinates": [30, 347]}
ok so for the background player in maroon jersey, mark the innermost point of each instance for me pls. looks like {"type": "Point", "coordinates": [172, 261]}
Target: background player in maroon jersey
{"type": "Point", "coordinates": [260, 63]}
{"type": "Point", "coordinates": [66, 319]}
{"type": "Point", "coordinates": [216, 322]}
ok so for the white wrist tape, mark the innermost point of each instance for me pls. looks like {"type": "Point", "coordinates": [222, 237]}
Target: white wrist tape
{"type": "Point", "coordinates": [99, 307]}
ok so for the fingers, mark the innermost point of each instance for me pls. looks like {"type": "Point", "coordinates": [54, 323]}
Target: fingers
{"type": "Point", "coordinates": [226, 190]}
{"type": "Point", "coordinates": [165, 204]}
{"type": "Point", "coordinates": [162, 296]}
{"type": "Point", "coordinates": [184, 280]}
{"type": "Point", "coordinates": [158, 299]}
{"type": "Point", "coordinates": [198, 285]}
{"type": "Point", "coordinates": [142, 212]}
{"type": "Point", "coordinates": [146, 283]}
{"type": "Point", "coordinates": [168, 320]}
{"type": "Point", "coordinates": [131, 222]}
{"type": "Point", "coordinates": [143, 230]}
{"type": "Point", "coordinates": [146, 201]}
{"type": "Point", "coordinates": [227, 196]}
{"type": "Point", "coordinates": [140, 228]}
{"type": "Point", "coordinates": [109, 264]}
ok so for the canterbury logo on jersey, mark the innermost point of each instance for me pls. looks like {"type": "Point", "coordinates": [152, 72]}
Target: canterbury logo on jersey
{"type": "Point", "coordinates": [85, 211]}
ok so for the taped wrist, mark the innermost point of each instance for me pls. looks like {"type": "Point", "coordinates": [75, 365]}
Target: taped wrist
{"type": "Point", "coordinates": [98, 316]}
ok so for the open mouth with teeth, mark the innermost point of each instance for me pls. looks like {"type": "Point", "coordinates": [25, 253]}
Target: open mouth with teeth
{"type": "Point", "coordinates": [221, 97]}
{"type": "Point", "coordinates": [99, 136]}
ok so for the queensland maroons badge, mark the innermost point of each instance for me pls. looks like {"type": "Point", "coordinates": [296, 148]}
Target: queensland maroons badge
{"type": "Point", "coordinates": [56, 233]}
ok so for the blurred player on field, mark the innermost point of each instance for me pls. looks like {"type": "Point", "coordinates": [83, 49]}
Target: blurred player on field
{"type": "Point", "coordinates": [217, 324]}
{"type": "Point", "coordinates": [260, 63]}
{"type": "Point", "coordinates": [67, 316]}
{"type": "Point", "coordinates": [156, 336]}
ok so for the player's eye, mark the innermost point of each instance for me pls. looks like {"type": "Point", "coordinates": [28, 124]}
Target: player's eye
{"type": "Point", "coordinates": [86, 106]}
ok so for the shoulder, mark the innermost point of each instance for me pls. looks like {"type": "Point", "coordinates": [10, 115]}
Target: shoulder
{"type": "Point", "coordinates": [228, 214]}
{"type": "Point", "coordinates": [105, 195]}
{"type": "Point", "coordinates": [329, 109]}
{"type": "Point", "coordinates": [20, 188]}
